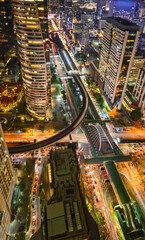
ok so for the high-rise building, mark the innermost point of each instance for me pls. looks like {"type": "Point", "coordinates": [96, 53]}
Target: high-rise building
{"type": "Point", "coordinates": [84, 41]}
{"type": "Point", "coordinates": [139, 90]}
{"type": "Point", "coordinates": [6, 30]}
{"type": "Point", "coordinates": [118, 50]}
{"type": "Point", "coordinates": [101, 4]}
{"type": "Point", "coordinates": [31, 26]}
{"type": "Point", "coordinates": [7, 182]}
{"type": "Point", "coordinates": [138, 63]}
{"type": "Point", "coordinates": [68, 13]}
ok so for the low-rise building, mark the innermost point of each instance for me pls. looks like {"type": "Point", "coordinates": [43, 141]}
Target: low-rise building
{"type": "Point", "coordinates": [65, 214]}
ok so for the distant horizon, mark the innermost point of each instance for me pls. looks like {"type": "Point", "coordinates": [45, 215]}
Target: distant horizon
{"type": "Point", "coordinates": [124, 4]}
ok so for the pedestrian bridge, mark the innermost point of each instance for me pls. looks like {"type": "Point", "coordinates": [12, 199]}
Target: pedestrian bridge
{"type": "Point", "coordinates": [99, 137]}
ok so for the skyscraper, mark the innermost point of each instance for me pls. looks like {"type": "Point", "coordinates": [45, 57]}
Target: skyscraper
{"type": "Point", "coordinates": [32, 35]}
{"type": "Point", "coordinates": [68, 13]}
{"type": "Point", "coordinates": [139, 90]}
{"type": "Point", "coordinates": [84, 41]}
{"type": "Point", "coordinates": [6, 29]}
{"type": "Point", "coordinates": [138, 63]}
{"type": "Point", "coordinates": [7, 182]}
{"type": "Point", "coordinates": [118, 50]}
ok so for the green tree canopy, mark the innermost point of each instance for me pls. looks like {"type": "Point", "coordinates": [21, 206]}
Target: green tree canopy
{"type": "Point", "coordinates": [136, 115]}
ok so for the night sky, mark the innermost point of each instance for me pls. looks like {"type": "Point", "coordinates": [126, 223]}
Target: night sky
{"type": "Point", "coordinates": [124, 4]}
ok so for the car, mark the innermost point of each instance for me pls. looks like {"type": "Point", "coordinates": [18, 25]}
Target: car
{"type": "Point", "coordinates": [33, 213]}
{"type": "Point", "coordinates": [32, 205]}
{"type": "Point", "coordinates": [33, 223]}
{"type": "Point", "coordinates": [35, 186]}
{"type": "Point", "coordinates": [102, 168]}
{"type": "Point", "coordinates": [33, 231]}
{"type": "Point", "coordinates": [95, 197]}
{"type": "Point", "coordinates": [101, 165]}
{"type": "Point", "coordinates": [90, 181]}
{"type": "Point", "coordinates": [106, 181]}
{"type": "Point", "coordinates": [123, 217]}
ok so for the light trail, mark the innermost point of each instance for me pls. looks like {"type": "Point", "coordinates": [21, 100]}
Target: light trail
{"type": "Point", "coordinates": [61, 74]}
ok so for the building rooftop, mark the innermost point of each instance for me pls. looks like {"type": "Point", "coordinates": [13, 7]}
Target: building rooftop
{"type": "Point", "coordinates": [123, 24]}
{"type": "Point", "coordinates": [55, 210]}
{"type": "Point", "coordinates": [65, 211]}
{"type": "Point", "coordinates": [56, 219]}
{"type": "Point", "coordinates": [56, 226]}
{"type": "Point", "coordinates": [117, 182]}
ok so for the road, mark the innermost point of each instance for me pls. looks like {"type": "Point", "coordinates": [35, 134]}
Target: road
{"type": "Point", "coordinates": [35, 216]}
{"type": "Point", "coordinates": [26, 137]}
{"type": "Point", "coordinates": [132, 175]}
{"type": "Point", "coordinates": [61, 134]}
{"type": "Point", "coordinates": [130, 134]}
{"type": "Point", "coordinates": [65, 132]}
{"type": "Point", "coordinates": [133, 148]}
{"type": "Point", "coordinates": [62, 75]}
{"type": "Point", "coordinates": [95, 192]}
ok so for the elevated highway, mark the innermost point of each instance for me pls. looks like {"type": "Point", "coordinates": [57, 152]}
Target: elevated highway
{"type": "Point", "coordinates": [61, 134]}
{"type": "Point", "coordinates": [70, 66]}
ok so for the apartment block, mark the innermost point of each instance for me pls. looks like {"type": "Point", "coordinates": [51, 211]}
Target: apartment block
{"type": "Point", "coordinates": [31, 26]}
{"type": "Point", "coordinates": [138, 63]}
{"type": "Point", "coordinates": [139, 90]}
{"type": "Point", "coordinates": [7, 183]}
{"type": "Point", "coordinates": [118, 50]}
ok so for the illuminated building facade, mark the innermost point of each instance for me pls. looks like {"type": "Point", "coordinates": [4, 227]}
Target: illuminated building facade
{"type": "Point", "coordinates": [118, 50]}
{"type": "Point", "coordinates": [139, 90]}
{"type": "Point", "coordinates": [32, 37]}
{"type": "Point", "coordinates": [84, 41]}
{"type": "Point", "coordinates": [6, 30]}
{"type": "Point", "coordinates": [68, 13]}
{"type": "Point", "coordinates": [7, 182]}
{"type": "Point", "coordinates": [138, 63]}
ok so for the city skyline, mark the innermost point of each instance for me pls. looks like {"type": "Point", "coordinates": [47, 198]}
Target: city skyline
{"type": "Point", "coordinates": [72, 119]}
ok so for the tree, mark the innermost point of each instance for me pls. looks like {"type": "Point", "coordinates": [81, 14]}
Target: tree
{"type": "Point", "coordinates": [63, 95]}
{"type": "Point", "coordinates": [101, 102]}
{"type": "Point", "coordinates": [17, 119]}
{"type": "Point", "coordinates": [54, 78]}
{"type": "Point", "coordinates": [15, 98]}
{"type": "Point", "coordinates": [136, 115]}
{"type": "Point", "coordinates": [80, 68]}
{"type": "Point", "coordinates": [41, 128]}
{"type": "Point", "coordinates": [57, 88]}
{"type": "Point", "coordinates": [77, 57]}
{"type": "Point", "coordinates": [20, 235]}
{"type": "Point", "coordinates": [54, 115]}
